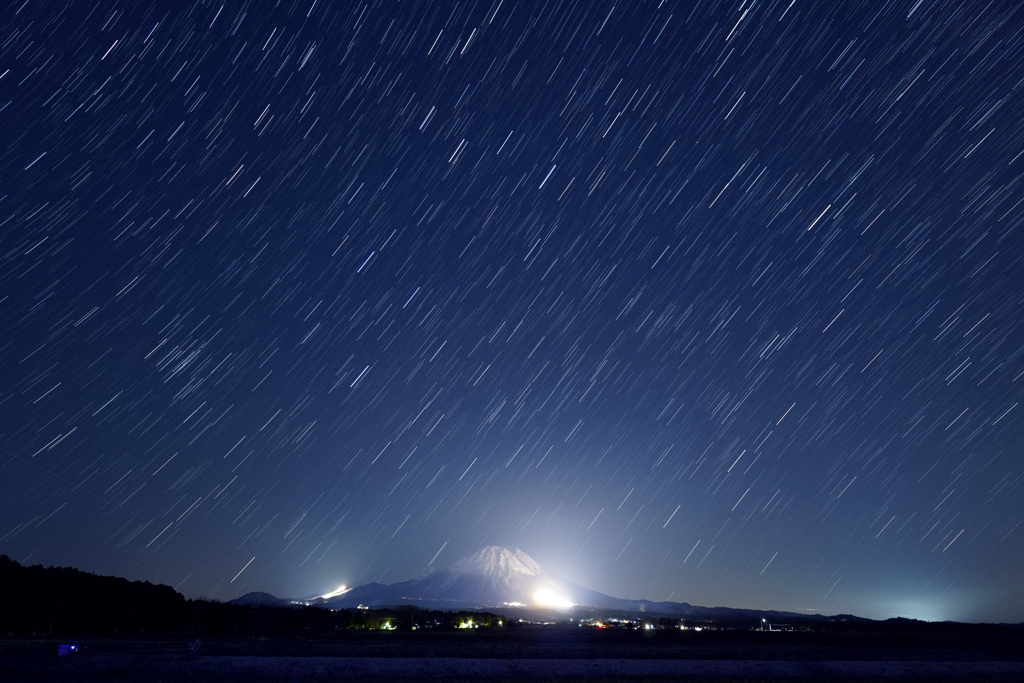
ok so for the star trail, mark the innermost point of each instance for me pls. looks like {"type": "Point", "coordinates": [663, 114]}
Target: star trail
{"type": "Point", "coordinates": [715, 302]}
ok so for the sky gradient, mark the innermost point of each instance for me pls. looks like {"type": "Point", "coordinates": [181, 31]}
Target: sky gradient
{"type": "Point", "coordinates": [711, 302]}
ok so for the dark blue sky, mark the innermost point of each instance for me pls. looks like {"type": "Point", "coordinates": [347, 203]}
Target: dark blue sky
{"type": "Point", "coordinates": [716, 303]}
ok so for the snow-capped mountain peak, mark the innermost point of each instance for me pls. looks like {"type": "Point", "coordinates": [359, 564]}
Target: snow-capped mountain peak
{"type": "Point", "coordinates": [492, 577]}
{"type": "Point", "coordinates": [497, 563]}
{"type": "Point", "coordinates": [506, 574]}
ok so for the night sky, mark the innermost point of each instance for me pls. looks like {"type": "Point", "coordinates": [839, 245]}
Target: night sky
{"type": "Point", "coordinates": [712, 302]}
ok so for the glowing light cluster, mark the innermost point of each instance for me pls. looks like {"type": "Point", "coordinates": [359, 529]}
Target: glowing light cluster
{"type": "Point", "coordinates": [549, 599]}
{"type": "Point", "coordinates": [340, 590]}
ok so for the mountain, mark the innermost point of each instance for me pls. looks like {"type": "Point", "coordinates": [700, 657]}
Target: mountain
{"type": "Point", "coordinates": [498, 577]}
{"type": "Point", "coordinates": [492, 577]}
{"type": "Point", "coordinates": [258, 599]}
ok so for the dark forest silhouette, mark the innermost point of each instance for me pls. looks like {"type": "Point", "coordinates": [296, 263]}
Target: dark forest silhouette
{"type": "Point", "coordinates": [62, 601]}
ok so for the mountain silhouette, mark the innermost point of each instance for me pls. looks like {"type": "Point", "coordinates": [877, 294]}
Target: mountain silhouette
{"type": "Point", "coordinates": [493, 577]}
{"type": "Point", "coordinates": [259, 599]}
{"type": "Point", "coordinates": [499, 577]}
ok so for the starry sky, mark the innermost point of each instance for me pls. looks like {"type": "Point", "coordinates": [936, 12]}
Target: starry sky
{"type": "Point", "coordinates": [716, 302]}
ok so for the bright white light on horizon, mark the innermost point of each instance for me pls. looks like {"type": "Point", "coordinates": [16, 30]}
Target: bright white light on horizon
{"type": "Point", "coordinates": [340, 590]}
{"type": "Point", "coordinates": [549, 599]}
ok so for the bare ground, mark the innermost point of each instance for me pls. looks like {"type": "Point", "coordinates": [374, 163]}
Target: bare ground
{"type": "Point", "coordinates": [530, 654]}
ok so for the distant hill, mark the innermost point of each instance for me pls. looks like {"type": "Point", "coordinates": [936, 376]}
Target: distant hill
{"type": "Point", "coordinates": [258, 599]}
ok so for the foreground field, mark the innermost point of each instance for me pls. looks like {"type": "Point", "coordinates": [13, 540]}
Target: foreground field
{"type": "Point", "coordinates": [531, 653]}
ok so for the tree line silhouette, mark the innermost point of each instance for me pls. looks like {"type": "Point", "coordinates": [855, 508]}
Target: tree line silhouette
{"type": "Point", "coordinates": [63, 601]}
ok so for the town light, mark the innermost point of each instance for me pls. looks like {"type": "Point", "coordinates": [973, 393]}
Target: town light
{"type": "Point", "coordinates": [549, 599]}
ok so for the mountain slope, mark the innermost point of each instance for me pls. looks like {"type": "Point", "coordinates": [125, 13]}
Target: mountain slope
{"type": "Point", "coordinates": [497, 577]}
{"type": "Point", "coordinates": [492, 577]}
